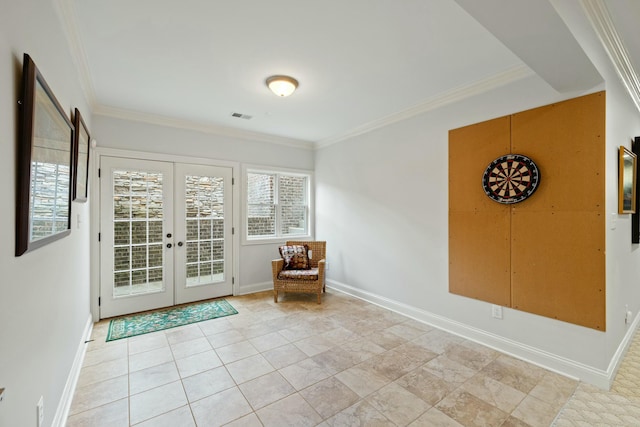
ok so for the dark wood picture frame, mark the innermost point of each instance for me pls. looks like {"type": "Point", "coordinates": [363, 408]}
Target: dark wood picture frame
{"type": "Point", "coordinates": [81, 143]}
{"type": "Point", "coordinates": [45, 150]}
{"type": "Point", "coordinates": [627, 171]}
{"type": "Point", "coordinates": [635, 218]}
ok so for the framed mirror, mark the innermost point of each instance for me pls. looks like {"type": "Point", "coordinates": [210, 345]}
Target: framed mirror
{"type": "Point", "coordinates": [80, 158]}
{"type": "Point", "coordinates": [43, 211]}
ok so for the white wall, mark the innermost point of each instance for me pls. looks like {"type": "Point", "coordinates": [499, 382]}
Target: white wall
{"type": "Point", "coordinates": [254, 259]}
{"type": "Point", "coordinates": [382, 205]}
{"type": "Point", "coordinates": [44, 294]}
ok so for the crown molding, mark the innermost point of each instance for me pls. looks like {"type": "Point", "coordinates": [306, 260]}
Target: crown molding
{"type": "Point", "coordinates": [454, 95]}
{"type": "Point", "coordinates": [69, 20]}
{"type": "Point", "coordinates": [154, 119]}
{"type": "Point", "coordinates": [600, 18]}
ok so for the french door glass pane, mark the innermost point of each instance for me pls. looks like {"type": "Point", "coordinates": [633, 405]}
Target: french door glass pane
{"type": "Point", "coordinates": [137, 227]}
{"type": "Point", "coordinates": [204, 203]}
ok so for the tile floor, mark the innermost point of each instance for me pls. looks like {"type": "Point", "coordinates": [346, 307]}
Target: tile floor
{"type": "Point", "coordinates": [297, 363]}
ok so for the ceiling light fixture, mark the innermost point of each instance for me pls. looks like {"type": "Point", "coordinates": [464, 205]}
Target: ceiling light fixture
{"type": "Point", "coordinates": [282, 85]}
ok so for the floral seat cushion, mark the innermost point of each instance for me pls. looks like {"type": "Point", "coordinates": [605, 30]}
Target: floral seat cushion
{"type": "Point", "coordinates": [311, 274]}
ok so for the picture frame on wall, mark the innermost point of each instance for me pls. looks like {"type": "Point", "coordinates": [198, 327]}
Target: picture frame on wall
{"type": "Point", "coordinates": [45, 167]}
{"type": "Point", "coordinates": [80, 159]}
{"type": "Point", "coordinates": [627, 171]}
{"type": "Point", "coordinates": [635, 218]}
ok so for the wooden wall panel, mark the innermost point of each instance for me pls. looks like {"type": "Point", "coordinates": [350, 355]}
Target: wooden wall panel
{"type": "Point", "coordinates": [566, 140]}
{"type": "Point", "coordinates": [478, 227]}
{"type": "Point", "coordinates": [558, 234]}
{"type": "Point", "coordinates": [479, 253]}
{"type": "Point", "coordinates": [471, 149]}
{"type": "Point", "coordinates": [551, 246]}
{"type": "Point", "coordinates": [558, 265]}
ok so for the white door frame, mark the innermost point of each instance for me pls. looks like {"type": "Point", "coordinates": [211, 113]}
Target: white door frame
{"type": "Point", "coordinates": [94, 198]}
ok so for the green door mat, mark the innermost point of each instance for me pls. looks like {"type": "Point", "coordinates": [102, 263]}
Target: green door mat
{"type": "Point", "coordinates": [138, 324]}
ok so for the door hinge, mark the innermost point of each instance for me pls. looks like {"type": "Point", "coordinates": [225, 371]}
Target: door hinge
{"type": "Point", "coordinates": [233, 230]}
{"type": "Point", "coordinates": [99, 301]}
{"type": "Point", "coordinates": [99, 171]}
{"type": "Point", "coordinates": [233, 280]}
{"type": "Point", "coordinates": [99, 237]}
{"type": "Point", "coordinates": [233, 181]}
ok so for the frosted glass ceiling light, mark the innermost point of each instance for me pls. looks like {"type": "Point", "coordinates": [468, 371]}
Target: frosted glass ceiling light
{"type": "Point", "coordinates": [282, 85]}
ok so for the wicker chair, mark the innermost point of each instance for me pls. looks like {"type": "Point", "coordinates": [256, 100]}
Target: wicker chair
{"type": "Point", "coordinates": [307, 281]}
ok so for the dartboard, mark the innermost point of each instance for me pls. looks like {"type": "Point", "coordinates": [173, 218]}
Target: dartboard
{"type": "Point", "coordinates": [510, 179]}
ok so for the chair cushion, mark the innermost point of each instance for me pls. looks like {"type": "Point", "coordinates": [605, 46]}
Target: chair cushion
{"type": "Point", "coordinates": [311, 274]}
{"type": "Point", "coordinates": [295, 257]}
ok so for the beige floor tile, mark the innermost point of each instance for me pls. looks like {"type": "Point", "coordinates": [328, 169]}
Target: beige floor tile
{"type": "Point", "coordinates": [222, 339]}
{"type": "Point", "coordinates": [102, 371]}
{"type": "Point", "coordinates": [188, 348]}
{"type": "Point", "coordinates": [469, 357]}
{"type": "Point", "coordinates": [362, 349]}
{"type": "Point", "coordinates": [153, 377]}
{"type": "Point", "coordinates": [284, 356]}
{"type": "Point", "coordinates": [184, 333]}
{"type": "Point", "coordinates": [157, 401]}
{"type": "Point", "coordinates": [415, 352]}
{"type": "Point", "coordinates": [269, 341]}
{"type": "Point", "coordinates": [236, 351]}
{"type": "Point", "coordinates": [361, 380]}
{"type": "Point", "coordinates": [554, 389]}
{"type": "Point", "coordinates": [390, 365]}
{"type": "Point", "coordinates": [250, 420]}
{"type": "Point", "coordinates": [437, 341]}
{"type": "Point", "coordinates": [398, 404]}
{"type": "Point", "coordinates": [470, 411]}
{"type": "Point", "coordinates": [386, 340]}
{"type": "Point", "coordinates": [495, 393]}
{"type": "Point", "coordinates": [435, 418]}
{"type": "Point", "coordinates": [290, 411]}
{"type": "Point", "coordinates": [339, 335]}
{"type": "Point", "coordinates": [406, 331]}
{"type": "Point", "coordinates": [359, 414]}
{"type": "Point", "coordinates": [147, 342]}
{"type": "Point", "coordinates": [265, 390]}
{"type": "Point", "coordinates": [207, 383]}
{"type": "Point", "coordinates": [314, 345]}
{"type": "Point", "coordinates": [335, 360]}
{"type": "Point", "coordinates": [249, 368]}
{"type": "Point", "coordinates": [449, 370]}
{"type": "Point", "coordinates": [304, 373]}
{"type": "Point", "coordinates": [115, 351]}
{"type": "Point", "coordinates": [535, 412]}
{"type": "Point", "coordinates": [114, 414]}
{"type": "Point", "coordinates": [515, 373]}
{"type": "Point", "coordinates": [330, 396]}
{"type": "Point", "coordinates": [220, 408]}
{"type": "Point", "coordinates": [180, 417]}
{"type": "Point", "coordinates": [215, 326]}
{"type": "Point", "coordinates": [99, 394]}
{"type": "Point", "coordinates": [150, 358]}
{"type": "Point", "coordinates": [427, 386]}
{"type": "Point", "coordinates": [197, 363]}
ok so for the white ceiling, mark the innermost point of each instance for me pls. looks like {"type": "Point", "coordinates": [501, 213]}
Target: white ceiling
{"type": "Point", "coordinates": [359, 62]}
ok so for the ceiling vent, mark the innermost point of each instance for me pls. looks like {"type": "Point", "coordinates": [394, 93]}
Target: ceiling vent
{"type": "Point", "coordinates": [241, 116]}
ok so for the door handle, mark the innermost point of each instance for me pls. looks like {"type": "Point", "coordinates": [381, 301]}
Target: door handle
{"type": "Point", "coordinates": [169, 245]}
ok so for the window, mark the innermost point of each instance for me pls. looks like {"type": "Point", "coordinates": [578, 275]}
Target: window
{"type": "Point", "coordinates": [277, 204]}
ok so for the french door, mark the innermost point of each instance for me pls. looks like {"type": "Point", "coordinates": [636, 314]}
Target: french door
{"type": "Point", "coordinates": [165, 234]}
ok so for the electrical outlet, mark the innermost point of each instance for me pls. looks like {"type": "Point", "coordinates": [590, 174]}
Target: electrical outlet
{"type": "Point", "coordinates": [40, 409]}
{"type": "Point", "coordinates": [496, 311]}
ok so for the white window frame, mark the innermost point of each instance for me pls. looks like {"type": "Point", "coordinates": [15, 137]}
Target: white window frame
{"type": "Point", "coordinates": [279, 237]}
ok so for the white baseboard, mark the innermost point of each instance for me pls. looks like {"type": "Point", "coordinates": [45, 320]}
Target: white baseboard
{"type": "Point", "coordinates": [553, 362]}
{"type": "Point", "coordinates": [62, 412]}
{"type": "Point", "coordinates": [253, 288]}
